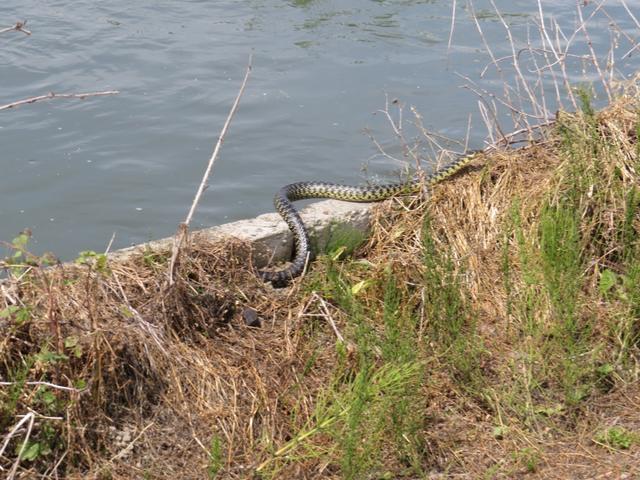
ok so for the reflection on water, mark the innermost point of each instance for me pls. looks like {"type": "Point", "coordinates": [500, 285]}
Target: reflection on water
{"type": "Point", "coordinates": [77, 171]}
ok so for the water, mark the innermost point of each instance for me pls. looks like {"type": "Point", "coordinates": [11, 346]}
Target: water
{"type": "Point", "coordinates": [75, 172]}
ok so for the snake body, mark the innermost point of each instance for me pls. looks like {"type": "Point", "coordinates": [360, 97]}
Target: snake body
{"type": "Point", "coordinates": [363, 194]}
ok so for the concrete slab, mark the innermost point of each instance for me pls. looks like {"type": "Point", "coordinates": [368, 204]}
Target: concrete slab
{"type": "Point", "coordinates": [269, 235]}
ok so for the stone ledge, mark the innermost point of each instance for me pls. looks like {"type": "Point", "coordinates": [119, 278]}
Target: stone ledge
{"type": "Point", "coordinates": [269, 235]}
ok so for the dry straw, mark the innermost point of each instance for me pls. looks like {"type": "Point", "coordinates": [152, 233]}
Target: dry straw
{"type": "Point", "coordinates": [105, 375]}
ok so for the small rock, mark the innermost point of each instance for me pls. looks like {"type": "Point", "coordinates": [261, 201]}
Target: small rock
{"type": "Point", "coordinates": [251, 318]}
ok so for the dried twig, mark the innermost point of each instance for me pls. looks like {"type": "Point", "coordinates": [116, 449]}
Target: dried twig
{"type": "Point", "coordinates": [594, 57]}
{"type": "Point", "coordinates": [489, 124]}
{"type": "Point", "coordinates": [46, 384]}
{"type": "Point", "coordinates": [453, 23]}
{"type": "Point", "coordinates": [539, 83]}
{"type": "Point", "coordinates": [380, 148]}
{"type": "Point", "coordinates": [468, 134]}
{"type": "Point", "coordinates": [183, 229]}
{"type": "Point", "coordinates": [510, 138]}
{"type": "Point", "coordinates": [396, 126]}
{"type": "Point", "coordinates": [108, 249]}
{"type": "Point", "coordinates": [18, 27]}
{"type": "Point", "coordinates": [30, 418]}
{"type": "Point", "coordinates": [516, 65]}
{"type": "Point", "coordinates": [544, 38]}
{"type": "Point", "coordinates": [327, 315]}
{"type": "Point", "coordinates": [51, 95]}
{"type": "Point", "coordinates": [153, 330]}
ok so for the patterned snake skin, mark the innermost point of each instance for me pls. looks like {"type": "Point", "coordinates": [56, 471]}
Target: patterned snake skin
{"type": "Point", "coordinates": [303, 190]}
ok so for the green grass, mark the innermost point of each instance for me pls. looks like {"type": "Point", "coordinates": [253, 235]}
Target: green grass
{"type": "Point", "coordinates": [216, 457]}
{"type": "Point", "coordinates": [452, 324]}
{"type": "Point", "coordinates": [418, 347]}
{"type": "Point", "coordinates": [373, 410]}
{"type": "Point", "coordinates": [402, 328]}
{"type": "Point", "coordinates": [617, 437]}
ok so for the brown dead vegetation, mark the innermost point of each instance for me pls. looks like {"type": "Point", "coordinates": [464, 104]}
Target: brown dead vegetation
{"type": "Point", "coordinates": [165, 382]}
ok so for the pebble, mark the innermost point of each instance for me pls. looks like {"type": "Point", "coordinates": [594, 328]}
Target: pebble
{"type": "Point", "coordinates": [251, 318]}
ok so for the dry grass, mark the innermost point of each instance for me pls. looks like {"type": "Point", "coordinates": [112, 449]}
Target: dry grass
{"type": "Point", "coordinates": [488, 331]}
{"type": "Point", "coordinates": [458, 359]}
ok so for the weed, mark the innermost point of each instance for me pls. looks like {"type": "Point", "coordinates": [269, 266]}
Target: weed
{"type": "Point", "coordinates": [483, 320]}
{"type": "Point", "coordinates": [343, 240]}
{"type": "Point", "coordinates": [452, 325]}
{"type": "Point", "coordinates": [528, 458]}
{"type": "Point", "coordinates": [216, 461]}
{"type": "Point", "coordinates": [617, 437]}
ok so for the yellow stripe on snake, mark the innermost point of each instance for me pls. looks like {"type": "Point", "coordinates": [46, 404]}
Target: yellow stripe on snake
{"type": "Point", "coordinates": [374, 193]}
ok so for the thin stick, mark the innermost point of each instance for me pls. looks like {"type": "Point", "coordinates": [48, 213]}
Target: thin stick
{"type": "Point", "coordinates": [516, 65]}
{"type": "Point", "coordinates": [562, 62]}
{"type": "Point", "coordinates": [594, 58]}
{"type": "Point", "coordinates": [483, 38]}
{"type": "Point", "coordinates": [507, 96]}
{"type": "Point", "coordinates": [453, 22]}
{"type": "Point", "coordinates": [539, 82]}
{"type": "Point", "coordinates": [18, 27]}
{"type": "Point", "coordinates": [29, 417]}
{"type": "Point", "coordinates": [397, 127]}
{"type": "Point", "coordinates": [13, 431]}
{"type": "Point", "coordinates": [431, 138]}
{"type": "Point", "coordinates": [108, 249]}
{"type": "Point", "coordinates": [184, 227]}
{"type": "Point", "coordinates": [631, 15]}
{"type": "Point", "coordinates": [329, 318]}
{"type": "Point", "coordinates": [508, 138]}
{"type": "Point", "coordinates": [468, 134]}
{"type": "Point", "coordinates": [544, 37]}
{"type": "Point", "coordinates": [46, 384]}
{"type": "Point", "coordinates": [51, 95]}
{"type": "Point", "coordinates": [382, 151]}
{"type": "Point", "coordinates": [613, 25]}
{"type": "Point", "coordinates": [481, 92]}
{"type": "Point", "coordinates": [146, 326]}
{"type": "Point", "coordinates": [487, 121]}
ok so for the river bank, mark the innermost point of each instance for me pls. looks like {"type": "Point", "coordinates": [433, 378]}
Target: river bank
{"type": "Point", "coordinates": [487, 330]}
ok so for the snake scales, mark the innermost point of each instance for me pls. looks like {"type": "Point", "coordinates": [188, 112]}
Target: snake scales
{"type": "Point", "coordinates": [374, 193]}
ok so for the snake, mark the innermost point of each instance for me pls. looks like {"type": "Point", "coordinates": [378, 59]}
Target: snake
{"type": "Point", "coordinates": [284, 198]}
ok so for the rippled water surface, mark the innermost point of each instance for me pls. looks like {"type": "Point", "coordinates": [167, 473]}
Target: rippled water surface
{"type": "Point", "coordinates": [75, 171]}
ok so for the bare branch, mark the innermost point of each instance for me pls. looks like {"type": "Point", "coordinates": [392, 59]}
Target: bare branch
{"type": "Point", "coordinates": [631, 15]}
{"type": "Point", "coordinates": [18, 27]}
{"type": "Point", "coordinates": [153, 330]}
{"type": "Point", "coordinates": [481, 92]}
{"type": "Point", "coordinates": [184, 227]}
{"type": "Point", "coordinates": [559, 59]}
{"type": "Point", "coordinates": [516, 65]}
{"type": "Point", "coordinates": [510, 138]}
{"type": "Point", "coordinates": [396, 126]}
{"type": "Point", "coordinates": [382, 151]}
{"type": "Point", "coordinates": [483, 38]}
{"type": "Point", "coordinates": [594, 58]}
{"type": "Point", "coordinates": [487, 120]}
{"type": "Point", "coordinates": [468, 134]}
{"type": "Point", "coordinates": [51, 95]}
